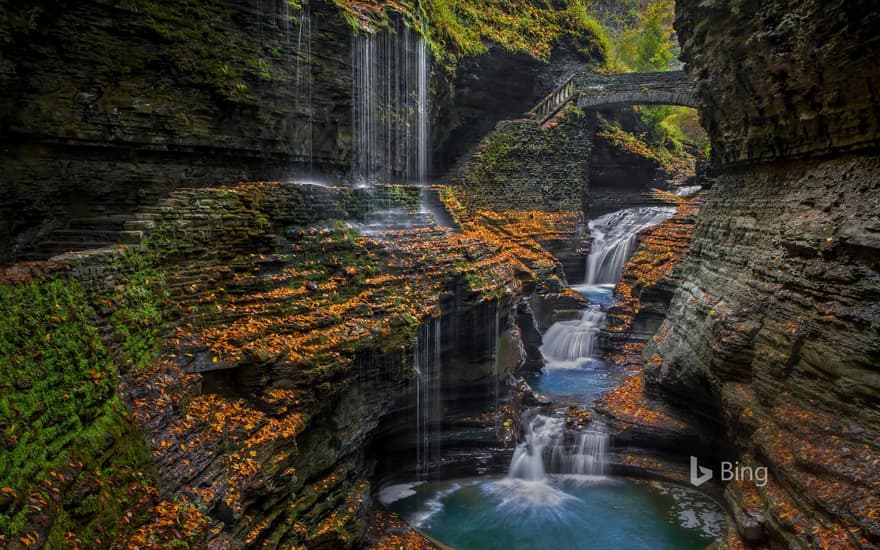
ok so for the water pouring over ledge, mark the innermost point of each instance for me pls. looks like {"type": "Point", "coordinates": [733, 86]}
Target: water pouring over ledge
{"type": "Point", "coordinates": [390, 106]}
{"type": "Point", "coordinates": [613, 238]}
{"type": "Point", "coordinates": [548, 447]}
{"type": "Point", "coordinates": [555, 494]}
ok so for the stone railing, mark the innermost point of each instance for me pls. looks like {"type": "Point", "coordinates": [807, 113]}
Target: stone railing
{"type": "Point", "coordinates": [592, 91]}
{"type": "Point", "coordinates": [554, 101]}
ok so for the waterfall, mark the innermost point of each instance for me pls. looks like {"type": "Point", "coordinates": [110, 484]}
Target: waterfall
{"type": "Point", "coordinates": [299, 71]}
{"type": "Point", "coordinates": [688, 190]}
{"type": "Point", "coordinates": [613, 240]}
{"type": "Point", "coordinates": [428, 394]}
{"type": "Point", "coordinates": [567, 343]}
{"type": "Point", "coordinates": [422, 136]}
{"type": "Point", "coordinates": [303, 86]}
{"type": "Point", "coordinates": [390, 111]}
{"type": "Point", "coordinates": [549, 448]}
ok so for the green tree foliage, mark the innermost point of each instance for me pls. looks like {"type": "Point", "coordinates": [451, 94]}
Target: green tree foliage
{"type": "Point", "coordinates": [646, 41]}
{"type": "Point", "coordinates": [649, 44]}
{"type": "Point", "coordinates": [457, 28]}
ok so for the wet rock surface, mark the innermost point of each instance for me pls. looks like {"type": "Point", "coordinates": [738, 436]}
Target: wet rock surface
{"type": "Point", "coordinates": [775, 321]}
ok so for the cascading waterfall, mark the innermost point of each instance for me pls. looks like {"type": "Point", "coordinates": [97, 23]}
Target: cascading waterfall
{"type": "Point", "coordinates": [548, 448]}
{"type": "Point", "coordinates": [688, 190]}
{"type": "Point", "coordinates": [428, 394]}
{"type": "Point", "coordinates": [390, 110]}
{"type": "Point", "coordinates": [613, 240]}
{"type": "Point", "coordinates": [567, 343]}
{"type": "Point", "coordinates": [570, 345]}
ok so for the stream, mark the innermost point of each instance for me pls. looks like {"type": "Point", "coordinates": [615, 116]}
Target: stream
{"type": "Point", "coordinates": [557, 493]}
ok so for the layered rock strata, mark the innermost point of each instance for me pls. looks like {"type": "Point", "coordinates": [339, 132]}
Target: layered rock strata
{"type": "Point", "coordinates": [772, 335]}
{"type": "Point", "coordinates": [260, 345]}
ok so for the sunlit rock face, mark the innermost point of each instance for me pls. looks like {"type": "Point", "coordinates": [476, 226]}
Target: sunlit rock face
{"type": "Point", "coordinates": [773, 331]}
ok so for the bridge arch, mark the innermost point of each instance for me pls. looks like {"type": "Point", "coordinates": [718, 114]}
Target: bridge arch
{"type": "Point", "coordinates": [595, 91]}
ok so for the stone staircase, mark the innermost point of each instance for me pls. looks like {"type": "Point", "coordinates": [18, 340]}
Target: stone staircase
{"type": "Point", "coordinates": [92, 233]}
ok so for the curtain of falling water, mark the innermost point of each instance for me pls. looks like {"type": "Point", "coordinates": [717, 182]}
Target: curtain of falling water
{"type": "Point", "coordinates": [299, 70]}
{"type": "Point", "coordinates": [303, 83]}
{"type": "Point", "coordinates": [546, 449]}
{"type": "Point", "coordinates": [429, 396]}
{"type": "Point", "coordinates": [391, 74]}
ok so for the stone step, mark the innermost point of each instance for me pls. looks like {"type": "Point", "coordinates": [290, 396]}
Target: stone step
{"type": "Point", "coordinates": [139, 225]}
{"type": "Point", "coordinates": [109, 222]}
{"type": "Point", "coordinates": [150, 216]}
{"type": "Point", "coordinates": [53, 248]}
{"type": "Point", "coordinates": [85, 235]}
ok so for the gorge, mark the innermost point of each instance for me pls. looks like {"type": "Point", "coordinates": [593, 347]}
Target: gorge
{"type": "Point", "coordinates": [439, 274]}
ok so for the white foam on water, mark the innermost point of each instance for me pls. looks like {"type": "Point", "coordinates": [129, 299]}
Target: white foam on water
{"type": "Point", "coordinates": [400, 491]}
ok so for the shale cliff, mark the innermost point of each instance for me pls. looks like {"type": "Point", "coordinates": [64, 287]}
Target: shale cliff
{"type": "Point", "coordinates": [112, 104]}
{"type": "Point", "coordinates": [772, 335]}
{"type": "Point", "coordinates": [108, 106]}
{"type": "Point", "coordinates": [224, 382]}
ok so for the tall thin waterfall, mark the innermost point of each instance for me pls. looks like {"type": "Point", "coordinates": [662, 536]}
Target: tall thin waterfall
{"type": "Point", "coordinates": [613, 240]}
{"type": "Point", "coordinates": [549, 448]}
{"type": "Point", "coordinates": [422, 136]}
{"type": "Point", "coordinates": [429, 404]}
{"type": "Point", "coordinates": [390, 110]}
{"type": "Point", "coordinates": [303, 82]}
{"type": "Point", "coordinates": [297, 30]}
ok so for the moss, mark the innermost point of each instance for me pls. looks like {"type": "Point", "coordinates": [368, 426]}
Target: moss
{"type": "Point", "coordinates": [196, 38]}
{"type": "Point", "coordinates": [457, 28]}
{"type": "Point", "coordinates": [119, 458]}
{"type": "Point", "coordinates": [639, 145]}
{"type": "Point", "coordinates": [137, 318]}
{"type": "Point", "coordinates": [59, 411]}
{"type": "Point", "coordinates": [514, 163]}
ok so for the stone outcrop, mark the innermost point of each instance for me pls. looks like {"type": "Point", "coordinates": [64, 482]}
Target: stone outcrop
{"type": "Point", "coordinates": [271, 361]}
{"type": "Point", "coordinates": [774, 332]}
{"type": "Point", "coordinates": [785, 78]}
{"type": "Point", "coordinates": [772, 335]}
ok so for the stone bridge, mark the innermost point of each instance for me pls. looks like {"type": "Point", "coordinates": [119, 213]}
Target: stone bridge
{"type": "Point", "coordinates": [595, 91]}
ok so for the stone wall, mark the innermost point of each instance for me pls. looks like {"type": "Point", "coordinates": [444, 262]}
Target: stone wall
{"type": "Point", "coordinates": [525, 166]}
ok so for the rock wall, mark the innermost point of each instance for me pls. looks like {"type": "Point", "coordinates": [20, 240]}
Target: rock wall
{"type": "Point", "coordinates": [772, 335]}
{"type": "Point", "coordinates": [783, 79]}
{"type": "Point", "coordinates": [109, 105]}
{"type": "Point", "coordinates": [498, 85]}
{"type": "Point", "coordinates": [230, 376]}
{"type": "Point", "coordinates": [524, 166]}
